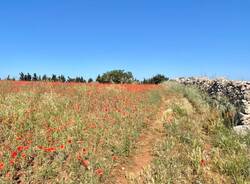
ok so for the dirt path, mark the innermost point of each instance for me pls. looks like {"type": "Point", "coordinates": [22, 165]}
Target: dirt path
{"type": "Point", "coordinates": [140, 161]}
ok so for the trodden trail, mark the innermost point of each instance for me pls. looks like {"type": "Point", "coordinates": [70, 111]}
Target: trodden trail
{"type": "Point", "coordinates": [143, 156]}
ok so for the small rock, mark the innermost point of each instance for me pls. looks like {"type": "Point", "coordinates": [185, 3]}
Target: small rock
{"type": "Point", "coordinates": [241, 115]}
{"type": "Point", "coordinates": [245, 102]}
{"type": "Point", "coordinates": [247, 122]}
{"type": "Point", "coordinates": [246, 110]}
{"type": "Point", "coordinates": [242, 129]}
{"type": "Point", "coordinates": [245, 118]}
{"type": "Point", "coordinates": [247, 96]}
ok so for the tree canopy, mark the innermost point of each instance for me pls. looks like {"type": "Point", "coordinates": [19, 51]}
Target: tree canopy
{"type": "Point", "coordinates": [116, 76]}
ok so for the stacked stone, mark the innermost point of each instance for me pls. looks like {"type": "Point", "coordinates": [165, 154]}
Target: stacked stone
{"type": "Point", "coordinates": [238, 93]}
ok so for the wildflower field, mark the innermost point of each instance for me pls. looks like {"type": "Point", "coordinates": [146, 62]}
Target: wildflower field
{"type": "Point", "coordinates": [107, 133]}
{"type": "Point", "coordinates": [54, 132]}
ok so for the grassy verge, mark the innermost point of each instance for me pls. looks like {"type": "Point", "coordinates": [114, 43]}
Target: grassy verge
{"type": "Point", "coordinates": [199, 146]}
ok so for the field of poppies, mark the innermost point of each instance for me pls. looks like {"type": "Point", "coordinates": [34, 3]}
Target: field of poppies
{"type": "Point", "coordinates": [70, 133]}
{"type": "Point", "coordinates": [107, 133]}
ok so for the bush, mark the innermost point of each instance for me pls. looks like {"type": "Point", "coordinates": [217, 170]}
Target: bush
{"type": "Point", "coordinates": [157, 79]}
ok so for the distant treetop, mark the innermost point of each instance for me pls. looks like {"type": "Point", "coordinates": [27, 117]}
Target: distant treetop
{"type": "Point", "coordinates": [157, 79]}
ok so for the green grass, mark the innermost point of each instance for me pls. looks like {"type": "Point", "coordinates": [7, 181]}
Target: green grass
{"type": "Point", "coordinates": [199, 147]}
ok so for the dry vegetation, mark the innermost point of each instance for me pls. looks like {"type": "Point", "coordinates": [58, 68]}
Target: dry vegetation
{"type": "Point", "coordinates": [198, 146]}
{"type": "Point", "coordinates": [61, 133]}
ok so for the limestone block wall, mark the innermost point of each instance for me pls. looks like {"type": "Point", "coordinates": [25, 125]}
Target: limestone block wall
{"type": "Point", "coordinates": [238, 93]}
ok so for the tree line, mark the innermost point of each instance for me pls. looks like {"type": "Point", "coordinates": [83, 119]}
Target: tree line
{"type": "Point", "coordinates": [114, 76]}
{"type": "Point", "coordinates": [52, 78]}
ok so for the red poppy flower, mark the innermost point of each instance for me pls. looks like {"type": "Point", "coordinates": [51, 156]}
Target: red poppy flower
{"type": "Point", "coordinates": [203, 163]}
{"type": "Point", "coordinates": [7, 175]}
{"type": "Point", "coordinates": [62, 146]}
{"type": "Point", "coordinates": [29, 141]}
{"type": "Point", "coordinates": [12, 162]}
{"type": "Point", "coordinates": [1, 166]}
{"type": "Point", "coordinates": [79, 158]}
{"type": "Point", "coordinates": [99, 172]}
{"type": "Point", "coordinates": [21, 148]}
{"type": "Point", "coordinates": [85, 151]}
{"type": "Point", "coordinates": [23, 155]}
{"type": "Point", "coordinates": [40, 147]}
{"type": "Point", "coordinates": [50, 149]}
{"type": "Point", "coordinates": [18, 138]}
{"type": "Point", "coordinates": [85, 163]}
{"type": "Point", "coordinates": [14, 154]}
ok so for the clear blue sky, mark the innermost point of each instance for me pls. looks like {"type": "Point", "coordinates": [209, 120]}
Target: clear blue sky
{"type": "Point", "coordinates": [88, 37]}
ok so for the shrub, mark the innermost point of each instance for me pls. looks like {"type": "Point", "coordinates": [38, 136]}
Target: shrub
{"type": "Point", "coordinates": [157, 79]}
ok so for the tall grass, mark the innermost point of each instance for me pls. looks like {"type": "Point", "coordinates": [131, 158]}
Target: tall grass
{"type": "Point", "coordinates": [199, 146]}
{"type": "Point", "coordinates": [70, 134]}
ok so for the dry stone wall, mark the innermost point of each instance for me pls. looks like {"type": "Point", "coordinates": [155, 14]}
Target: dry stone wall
{"type": "Point", "coordinates": [238, 93]}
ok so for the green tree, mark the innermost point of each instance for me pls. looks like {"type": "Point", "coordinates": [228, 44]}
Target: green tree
{"type": "Point", "coordinates": [28, 77]}
{"type": "Point", "coordinates": [98, 79]}
{"type": "Point", "coordinates": [44, 78]}
{"type": "Point", "coordinates": [69, 79]}
{"type": "Point", "coordinates": [34, 78]}
{"type": "Point", "coordinates": [61, 78]}
{"type": "Point", "coordinates": [54, 78]}
{"type": "Point", "coordinates": [90, 80]}
{"type": "Point", "coordinates": [21, 76]}
{"type": "Point", "coordinates": [116, 76]}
